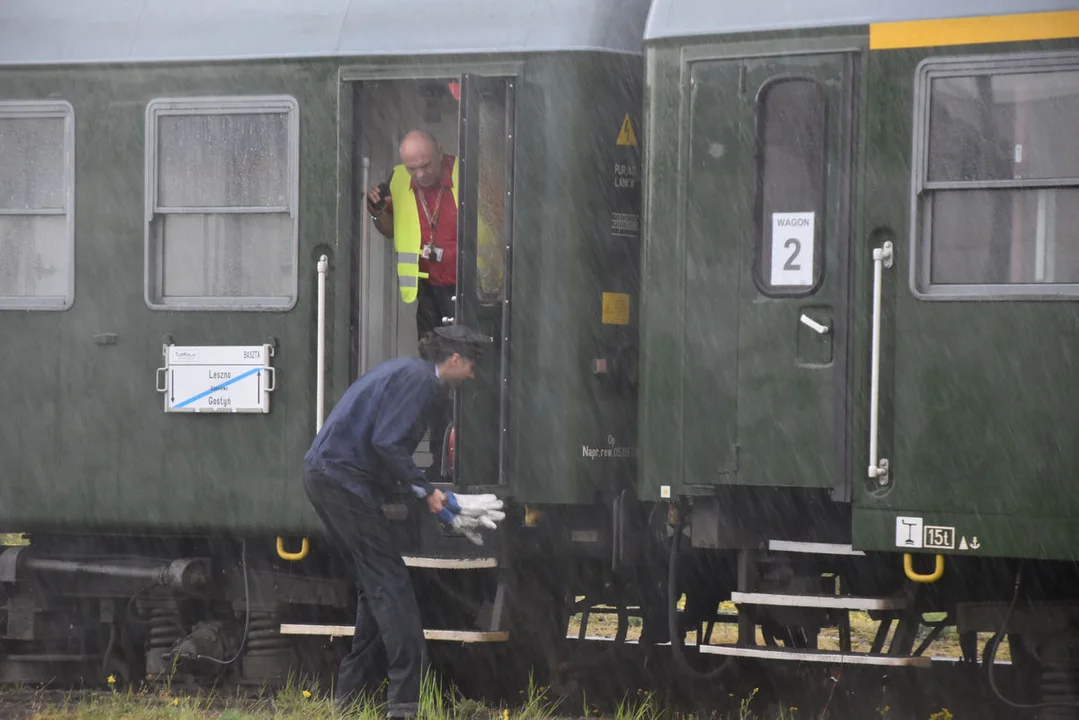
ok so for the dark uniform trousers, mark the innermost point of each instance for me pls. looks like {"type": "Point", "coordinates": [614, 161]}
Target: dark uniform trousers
{"type": "Point", "coordinates": [389, 632]}
{"type": "Point", "coordinates": [435, 302]}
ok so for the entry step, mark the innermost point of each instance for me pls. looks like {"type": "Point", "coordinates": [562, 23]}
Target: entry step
{"type": "Point", "coordinates": [448, 563]}
{"type": "Point", "coordinates": [839, 602]}
{"type": "Point", "coordinates": [816, 656]}
{"type": "Point", "coordinates": [464, 636]}
{"type": "Point", "coordinates": [812, 548]}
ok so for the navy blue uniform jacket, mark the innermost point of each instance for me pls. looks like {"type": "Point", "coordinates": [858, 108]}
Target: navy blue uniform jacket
{"type": "Point", "coordinates": [374, 429]}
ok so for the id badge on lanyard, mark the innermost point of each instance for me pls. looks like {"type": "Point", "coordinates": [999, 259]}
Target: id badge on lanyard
{"type": "Point", "coordinates": [430, 251]}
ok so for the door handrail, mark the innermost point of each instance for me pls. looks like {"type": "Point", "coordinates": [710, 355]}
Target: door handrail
{"type": "Point", "coordinates": [320, 391]}
{"type": "Point", "coordinates": [878, 468]}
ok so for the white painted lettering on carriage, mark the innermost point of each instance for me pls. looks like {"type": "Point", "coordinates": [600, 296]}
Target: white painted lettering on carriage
{"type": "Point", "coordinates": [611, 451]}
{"type": "Point", "coordinates": [218, 379]}
{"type": "Point", "coordinates": [908, 532]}
{"type": "Point", "coordinates": [974, 543]}
{"type": "Point", "coordinates": [625, 176]}
{"type": "Point", "coordinates": [793, 236]}
{"type": "Point", "coordinates": [625, 224]}
{"type": "Point", "coordinates": [605, 453]}
{"type": "Point", "coordinates": [941, 537]}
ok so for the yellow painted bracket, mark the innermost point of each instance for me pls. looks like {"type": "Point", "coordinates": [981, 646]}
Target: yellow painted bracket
{"type": "Point", "coordinates": [908, 567]}
{"type": "Point", "coordinates": [281, 553]}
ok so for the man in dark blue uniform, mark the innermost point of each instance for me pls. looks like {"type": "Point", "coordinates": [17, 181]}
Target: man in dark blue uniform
{"type": "Point", "coordinates": [363, 452]}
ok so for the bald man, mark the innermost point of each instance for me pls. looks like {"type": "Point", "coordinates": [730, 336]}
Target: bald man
{"type": "Point", "coordinates": [420, 214]}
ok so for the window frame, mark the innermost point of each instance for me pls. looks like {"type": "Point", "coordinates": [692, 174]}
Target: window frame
{"type": "Point", "coordinates": [152, 250]}
{"type": "Point", "coordinates": [30, 109]}
{"type": "Point", "coordinates": [503, 236]}
{"type": "Point", "coordinates": [764, 224]}
{"type": "Point", "coordinates": [922, 189]}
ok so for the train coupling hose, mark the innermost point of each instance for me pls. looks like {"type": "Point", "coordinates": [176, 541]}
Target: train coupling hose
{"type": "Point", "coordinates": [673, 626]}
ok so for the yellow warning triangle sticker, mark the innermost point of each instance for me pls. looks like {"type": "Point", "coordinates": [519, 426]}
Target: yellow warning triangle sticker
{"type": "Point", "coordinates": [626, 136]}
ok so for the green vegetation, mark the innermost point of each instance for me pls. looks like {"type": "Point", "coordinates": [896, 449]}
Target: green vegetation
{"type": "Point", "coordinates": [297, 701]}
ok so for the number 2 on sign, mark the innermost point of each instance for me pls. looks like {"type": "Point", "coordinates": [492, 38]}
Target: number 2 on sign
{"type": "Point", "coordinates": [793, 235]}
{"type": "Point", "coordinates": [792, 242]}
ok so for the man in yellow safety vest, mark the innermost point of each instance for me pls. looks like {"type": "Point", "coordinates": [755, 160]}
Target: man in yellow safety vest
{"type": "Point", "coordinates": [420, 213]}
{"type": "Point", "coordinates": [417, 207]}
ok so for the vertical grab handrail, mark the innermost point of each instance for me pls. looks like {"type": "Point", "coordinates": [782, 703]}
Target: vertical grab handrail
{"type": "Point", "coordinates": [365, 268]}
{"type": "Point", "coordinates": [320, 392]}
{"type": "Point", "coordinates": [320, 360]}
{"type": "Point", "coordinates": [882, 258]}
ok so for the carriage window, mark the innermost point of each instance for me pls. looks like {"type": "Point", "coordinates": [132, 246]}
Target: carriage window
{"type": "Point", "coordinates": [37, 186]}
{"type": "Point", "coordinates": [997, 205]}
{"type": "Point", "coordinates": [792, 138]}
{"type": "Point", "coordinates": [223, 179]}
{"type": "Point", "coordinates": [492, 193]}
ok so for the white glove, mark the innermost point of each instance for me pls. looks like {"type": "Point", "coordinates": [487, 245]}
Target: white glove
{"type": "Point", "coordinates": [485, 508]}
{"type": "Point", "coordinates": [467, 526]}
{"type": "Point", "coordinates": [465, 513]}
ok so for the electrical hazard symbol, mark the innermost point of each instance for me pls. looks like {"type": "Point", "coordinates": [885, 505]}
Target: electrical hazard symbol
{"type": "Point", "coordinates": [626, 136]}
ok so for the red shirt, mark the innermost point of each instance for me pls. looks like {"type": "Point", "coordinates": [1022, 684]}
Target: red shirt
{"type": "Point", "coordinates": [445, 232]}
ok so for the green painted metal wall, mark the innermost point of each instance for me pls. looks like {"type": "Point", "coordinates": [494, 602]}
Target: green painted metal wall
{"type": "Point", "coordinates": [84, 441]}
{"type": "Point", "coordinates": [736, 389]}
{"type": "Point", "coordinates": [977, 404]}
{"type": "Point", "coordinates": [564, 259]}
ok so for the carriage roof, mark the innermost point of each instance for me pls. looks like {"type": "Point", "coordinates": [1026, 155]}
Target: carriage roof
{"type": "Point", "coordinates": [77, 31]}
{"type": "Point", "coordinates": [684, 18]}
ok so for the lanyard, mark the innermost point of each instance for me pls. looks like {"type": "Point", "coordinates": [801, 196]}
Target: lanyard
{"type": "Point", "coordinates": [426, 211]}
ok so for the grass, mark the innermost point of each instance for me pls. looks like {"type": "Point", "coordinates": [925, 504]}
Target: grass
{"type": "Point", "coordinates": [302, 699]}
{"type": "Point", "coordinates": [295, 703]}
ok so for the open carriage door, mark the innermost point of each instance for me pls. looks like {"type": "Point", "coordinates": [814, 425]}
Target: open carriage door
{"type": "Point", "coordinates": [484, 228]}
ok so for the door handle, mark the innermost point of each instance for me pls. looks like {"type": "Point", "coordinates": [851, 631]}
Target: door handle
{"type": "Point", "coordinates": [814, 325]}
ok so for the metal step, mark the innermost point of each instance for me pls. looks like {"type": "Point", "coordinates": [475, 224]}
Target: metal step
{"type": "Point", "coordinates": [840, 602]}
{"type": "Point", "coordinates": [816, 656]}
{"type": "Point", "coordinates": [463, 636]}
{"type": "Point", "coordinates": [812, 548]}
{"type": "Point", "coordinates": [627, 641]}
{"type": "Point", "coordinates": [445, 563]}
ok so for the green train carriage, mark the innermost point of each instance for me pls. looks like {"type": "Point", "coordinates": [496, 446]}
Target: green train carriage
{"type": "Point", "coordinates": [858, 297]}
{"type": "Point", "coordinates": [784, 147]}
{"type": "Point", "coordinates": [189, 279]}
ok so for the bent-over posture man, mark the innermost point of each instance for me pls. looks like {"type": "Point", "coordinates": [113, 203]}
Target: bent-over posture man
{"type": "Point", "coordinates": [364, 452]}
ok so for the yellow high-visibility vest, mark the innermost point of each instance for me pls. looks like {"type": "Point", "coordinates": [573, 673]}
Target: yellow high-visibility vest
{"type": "Point", "coordinates": [406, 231]}
{"type": "Point", "coordinates": [407, 239]}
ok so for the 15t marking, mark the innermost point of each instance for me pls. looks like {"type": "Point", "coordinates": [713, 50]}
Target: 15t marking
{"type": "Point", "coordinates": [939, 537]}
